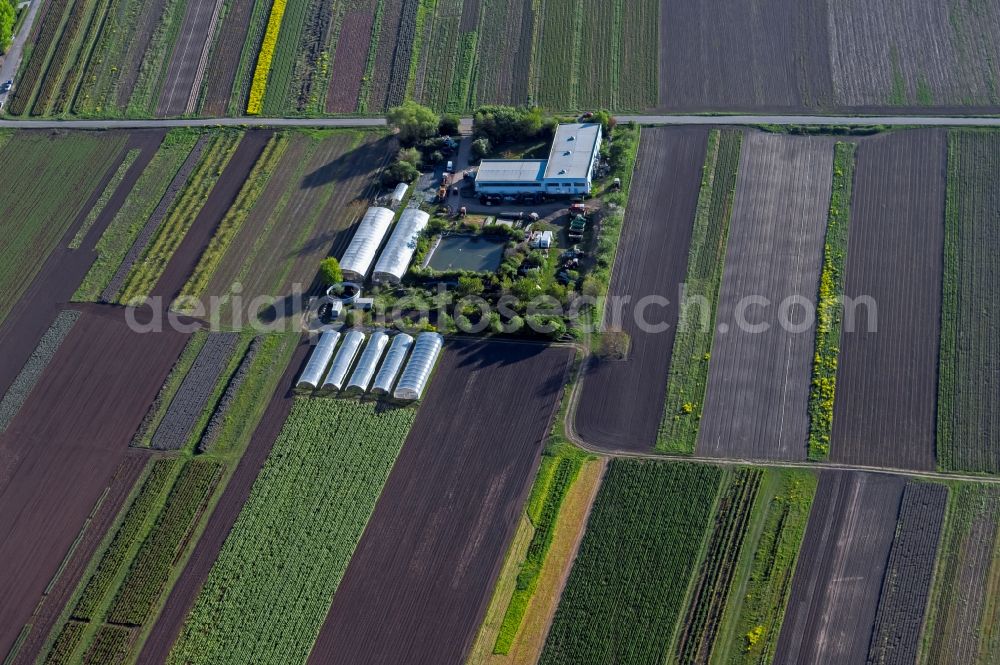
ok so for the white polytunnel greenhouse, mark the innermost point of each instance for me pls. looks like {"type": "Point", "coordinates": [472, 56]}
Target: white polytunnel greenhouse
{"type": "Point", "coordinates": [398, 253]}
{"type": "Point", "coordinates": [342, 363]}
{"type": "Point", "coordinates": [320, 358]}
{"type": "Point", "coordinates": [363, 373]}
{"type": "Point", "coordinates": [418, 370]}
{"type": "Point", "coordinates": [386, 376]}
{"type": "Point", "coordinates": [399, 193]}
{"type": "Point", "coordinates": [360, 254]}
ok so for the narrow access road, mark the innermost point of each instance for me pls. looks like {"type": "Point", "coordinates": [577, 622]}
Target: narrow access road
{"type": "Point", "coordinates": [12, 58]}
{"type": "Point", "coordinates": [832, 120]}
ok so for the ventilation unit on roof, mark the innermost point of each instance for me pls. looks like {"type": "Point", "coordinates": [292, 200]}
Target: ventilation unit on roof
{"type": "Point", "coordinates": [567, 153]}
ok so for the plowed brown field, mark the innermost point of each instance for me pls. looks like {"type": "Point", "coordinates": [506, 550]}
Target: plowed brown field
{"type": "Point", "coordinates": [420, 579]}
{"type": "Point", "coordinates": [838, 579]}
{"type": "Point", "coordinates": [62, 449]}
{"type": "Point", "coordinates": [884, 409]}
{"type": "Point", "coordinates": [621, 402]}
{"type": "Point", "coordinates": [761, 363]}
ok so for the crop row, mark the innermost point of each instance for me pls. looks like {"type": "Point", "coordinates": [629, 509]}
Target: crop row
{"type": "Point", "coordinates": [182, 214]}
{"type": "Point", "coordinates": [156, 59]}
{"type": "Point", "coordinates": [79, 53]}
{"type": "Point", "coordinates": [373, 48]}
{"type": "Point", "coordinates": [278, 91]}
{"type": "Point", "coordinates": [116, 556]}
{"type": "Point", "coordinates": [216, 423]}
{"type": "Point", "coordinates": [907, 581]}
{"type": "Point", "coordinates": [968, 420]}
{"type": "Point", "coordinates": [96, 92]}
{"type": "Point", "coordinates": [830, 306]}
{"type": "Point", "coordinates": [22, 386]}
{"type": "Point", "coordinates": [555, 476]}
{"type": "Point", "coordinates": [66, 643]}
{"type": "Point", "coordinates": [110, 645]}
{"type": "Point", "coordinates": [444, 44]}
{"type": "Point", "coordinates": [141, 234]}
{"type": "Point", "coordinates": [459, 97]}
{"type": "Point", "coordinates": [55, 179]}
{"type": "Point", "coordinates": [693, 341]}
{"type": "Point", "coordinates": [255, 102]}
{"type": "Point", "coordinates": [47, 35]}
{"type": "Point", "coordinates": [124, 228]}
{"type": "Point", "coordinates": [188, 404]}
{"type": "Point", "coordinates": [763, 582]}
{"type": "Point", "coordinates": [234, 217]}
{"type": "Point", "coordinates": [961, 626]}
{"type": "Point", "coordinates": [154, 415]}
{"type": "Point", "coordinates": [313, 59]}
{"type": "Point", "coordinates": [712, 583]}
{"type": "Point", "coordinates": [105, 196]}
{"type": "Point", "coordinates": [559, 53]}
{"type": "Point", "coordinates": [248, 57]}
{"type": "Point", "coordinates": [306, 513]}
{"type": "Point", "coordinates": [151, 566]}
{"type": "Point", "coordinates": [49, 81]}
{"type": "Point", "coordinates": [402, 58]}
{"type": "Point", "coordinates": [635, 562]}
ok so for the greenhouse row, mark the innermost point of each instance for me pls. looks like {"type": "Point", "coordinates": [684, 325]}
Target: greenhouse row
{"type": "Point", "coordinates": [395, 258]}
{"type": "Point", "coordinates": [367, 374]}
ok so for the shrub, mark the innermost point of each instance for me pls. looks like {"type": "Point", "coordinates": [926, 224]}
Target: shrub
{"type": "Point", "coordinates": [448, 125]}
{"type": "Point", "coordinates": [330, 272]}
{"type": "Point", "coordinates": [413, 122]}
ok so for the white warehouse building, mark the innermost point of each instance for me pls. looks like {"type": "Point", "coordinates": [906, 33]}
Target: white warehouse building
{"type": "Point", "coordinates": [569, 170]}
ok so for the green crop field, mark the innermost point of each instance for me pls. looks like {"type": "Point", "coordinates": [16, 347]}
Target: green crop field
{"type": "Point", "coordinates": [49, 188]}
{"type": "Point", "coordinates": [963, 614]}
{"type": "Point", "coordinates": [641, 547]}
{"type": "Point", "coordinates": [762, 578]}
{"type": "Point", "coordinates": [693, 341]}
{"type": "Point", "coordinates": [968, 432]}
{"type": "Point", "coordinates": [306, 513]}
{"type": "Point", "coordinates": [710, 591]}
{"type": "Point", "coordinates": [183, 212]}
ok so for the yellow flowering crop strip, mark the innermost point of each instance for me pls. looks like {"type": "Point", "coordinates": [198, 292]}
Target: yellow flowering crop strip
{"type": "Point", "coordinates": [830, 307]}
{"type": "Point", "coordinates": [264, 58]}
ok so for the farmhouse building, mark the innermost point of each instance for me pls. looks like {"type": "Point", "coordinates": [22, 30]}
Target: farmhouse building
{"type": "Point", "coordinates": [568, 170]}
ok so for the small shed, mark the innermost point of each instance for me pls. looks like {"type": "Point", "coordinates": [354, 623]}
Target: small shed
{"type": "Point", "coordinates": [543, 240]}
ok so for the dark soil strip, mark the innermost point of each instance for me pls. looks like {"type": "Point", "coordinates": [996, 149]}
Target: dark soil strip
{"type": "Point", "coordinates": [182, 72]}
{"type": "Point", "coordinates": [907, 583]}
{"type": "Point", "coordinates": [19, 390]}
{"type": "Point", "coordinates": [192, 396]}
{"type": "Point", "coordinates": [203, 228]}
{"type": "Point", "coordinates": [349, 59]}
{"type": "Point", "coordinates": [885, 404]}
{"type": "Point", "coordinates": [47, 613]}
{"type": "Point", "coordinates": [225, 59]}
{"type": "Point", "coordinates": [621, 402]}
{"type": "Point", "coordinates": [419, 582]}
{"type": "Point", "coordinates": [838, 579]}
{"type": "Point", "coordinates": [149, 230]}
{"type": "Point", "coordinates": [64, 269]}
{"type": "Point", "coordinates": [145, 27]}
{"type": "Point", "coordinates": [470, 16]}
{"type": "Point", "coordinates": [186, 589]}
{"type": "Point", "coordinates": [62, 449]}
